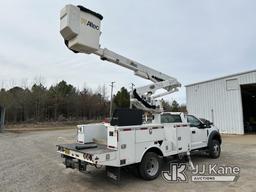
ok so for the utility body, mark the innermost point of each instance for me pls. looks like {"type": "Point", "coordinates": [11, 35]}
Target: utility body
{"type": "Point", "coordinates": [116, 146]}
{"type": "Point", "coordinates": [139, 137]}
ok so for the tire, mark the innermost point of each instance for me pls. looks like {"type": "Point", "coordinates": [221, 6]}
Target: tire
{"type": "Point", "coordinates": [214, 149]}
{"type": "Point", "coordinates": [150, 166]}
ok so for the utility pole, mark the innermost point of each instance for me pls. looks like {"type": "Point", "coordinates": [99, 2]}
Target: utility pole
{"type": "Point", "coordinates": [111, 99]}
{"type": "Point", "coordinates": [2, 117]}
{"type": "Point", "coordinates": [132, 87]}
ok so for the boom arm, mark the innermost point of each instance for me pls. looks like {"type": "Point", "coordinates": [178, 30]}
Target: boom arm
{"type": "Point", "coordinates": [80, 28]}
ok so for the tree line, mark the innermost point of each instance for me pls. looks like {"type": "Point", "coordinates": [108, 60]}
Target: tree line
{"type": "Point", "coordinates": [64, 102]}
{"type": "Point", "coordinates": [59, 102]}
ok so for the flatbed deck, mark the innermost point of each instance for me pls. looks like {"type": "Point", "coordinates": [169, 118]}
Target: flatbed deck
{"type": "Point", "coordinates": [99, 149]}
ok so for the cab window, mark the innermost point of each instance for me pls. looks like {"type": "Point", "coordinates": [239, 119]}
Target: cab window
{"type": "Point", "coordinates": [194, 122]}
{"type": "Point", "coordinates": [170, 118]}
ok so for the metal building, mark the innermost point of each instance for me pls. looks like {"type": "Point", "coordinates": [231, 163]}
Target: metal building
{"type": "Point", "coordinates": [229, 102]}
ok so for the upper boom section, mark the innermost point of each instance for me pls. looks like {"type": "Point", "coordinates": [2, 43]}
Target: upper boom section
{"type": "Point", "coordinates": [81, 30]}
{"type": "Point", "coordinates": [139, 69]}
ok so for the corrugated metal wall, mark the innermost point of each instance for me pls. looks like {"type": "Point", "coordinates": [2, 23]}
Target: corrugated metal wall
{"type": "Point", "coordinates": [220, 101]}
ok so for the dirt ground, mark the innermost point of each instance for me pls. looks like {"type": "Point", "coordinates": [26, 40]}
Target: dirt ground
{"type": "Point", "coordinates": [29, 162]}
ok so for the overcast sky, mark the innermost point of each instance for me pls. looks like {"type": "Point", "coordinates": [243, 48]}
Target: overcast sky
{"type": "Point", "coordinates": [189, 40]}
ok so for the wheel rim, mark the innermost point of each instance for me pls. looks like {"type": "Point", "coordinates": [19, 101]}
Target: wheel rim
{"type": "Point", "coordinates": [216, 149]}
{"type": "Point", "coordinates": [152, 166]}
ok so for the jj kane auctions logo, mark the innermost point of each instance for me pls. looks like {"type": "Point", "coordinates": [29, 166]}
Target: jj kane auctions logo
{"type": "Point", "coordinates": [203, 173]}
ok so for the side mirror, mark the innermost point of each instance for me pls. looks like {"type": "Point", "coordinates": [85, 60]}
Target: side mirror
{"type": "Point", "coordinates": [203, 126]}
{"type": "Point", "coordinates": [208, 124]}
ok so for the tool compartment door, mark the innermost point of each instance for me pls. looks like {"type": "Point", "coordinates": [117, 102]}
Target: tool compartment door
{"type": "Point", "coordinates": [112, 138]}
{"type": "Point", "coordinates": [154, 133]}
{"type": "Point", "coordinates": [127, 150]}
{"type": "Point", "coordinates": [183, 138]}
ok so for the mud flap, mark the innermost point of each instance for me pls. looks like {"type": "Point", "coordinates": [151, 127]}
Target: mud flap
{"type": "Point", "coordinates": [113, 174]}
{"type": "Point", "coordinates": [69, 163]}
{"type": "Point", "coordinates": [73, 164]}
{"type": "Point", "coordinates": [82, 166]}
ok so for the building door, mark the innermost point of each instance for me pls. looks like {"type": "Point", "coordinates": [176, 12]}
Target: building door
{"type": "Point", "coordinates": [248, 93]}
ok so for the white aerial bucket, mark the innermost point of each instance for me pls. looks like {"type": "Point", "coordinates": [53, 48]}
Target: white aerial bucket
{"type": "Point", "coordinates": [80, 28]}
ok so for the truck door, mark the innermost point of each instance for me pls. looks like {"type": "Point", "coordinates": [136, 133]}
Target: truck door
{"type": "Point", "coordinates": [198, 132]}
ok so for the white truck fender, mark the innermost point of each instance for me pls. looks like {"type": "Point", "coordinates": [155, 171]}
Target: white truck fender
{"type": "Point", "coordinates": [152, 148]}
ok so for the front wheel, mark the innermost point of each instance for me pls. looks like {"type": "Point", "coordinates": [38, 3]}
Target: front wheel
{"type": "Point", "coordinates": [150, 166]}
{"type": "Point", "coordinates": [214, 149]}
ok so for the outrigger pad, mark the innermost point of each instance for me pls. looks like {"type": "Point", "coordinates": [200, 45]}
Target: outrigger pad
{"type": "Point", "coordinates": [86, 146]}
{"type": "Point", "coordinates": [113, 174]}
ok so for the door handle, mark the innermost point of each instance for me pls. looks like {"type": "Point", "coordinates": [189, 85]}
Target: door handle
{"type": "Point", "coordinates": [193, 132]}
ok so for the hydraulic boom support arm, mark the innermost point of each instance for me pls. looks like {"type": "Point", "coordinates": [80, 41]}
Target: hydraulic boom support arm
{"type": "Point", "coordinates": [80, 28]}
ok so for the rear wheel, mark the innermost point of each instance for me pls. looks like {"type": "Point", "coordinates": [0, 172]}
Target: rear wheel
{"type": "Point", "coordinates": [150, 166]}
{"type": "Point", "coordinates": [214, 149]}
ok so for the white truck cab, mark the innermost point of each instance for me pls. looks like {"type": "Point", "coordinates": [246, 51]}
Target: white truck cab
{"type": "Point", "coordinates": [200, 131]}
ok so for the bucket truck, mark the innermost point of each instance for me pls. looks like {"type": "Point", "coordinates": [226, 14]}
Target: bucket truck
{"type": "Point", "coordinates": [127, 141]}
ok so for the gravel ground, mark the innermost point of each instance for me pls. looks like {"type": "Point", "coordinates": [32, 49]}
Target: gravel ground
{"type": "Point", "coordinates": [29, 162]}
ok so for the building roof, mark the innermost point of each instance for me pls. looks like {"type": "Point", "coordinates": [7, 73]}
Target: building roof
{"type": "Point", "coordinates": [219, 78]}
